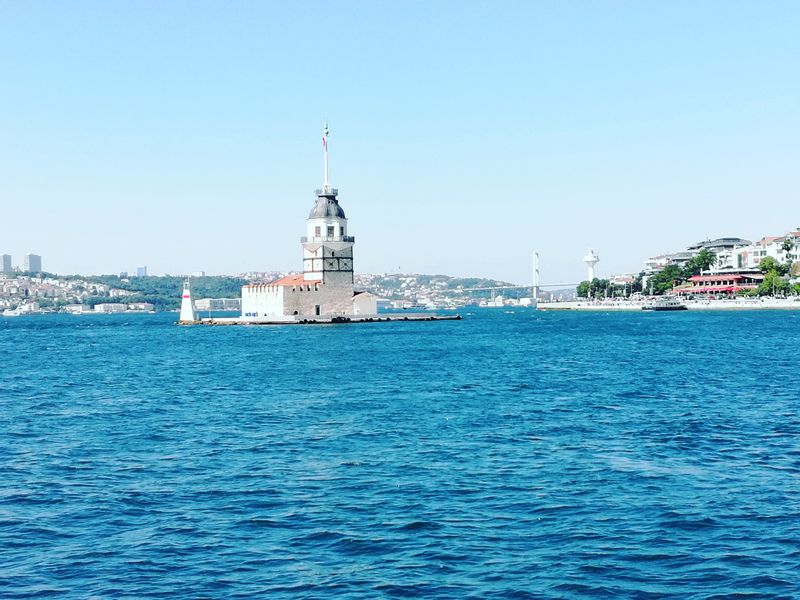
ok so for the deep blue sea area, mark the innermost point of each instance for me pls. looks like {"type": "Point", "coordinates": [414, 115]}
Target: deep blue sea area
{"type": "Point", "coordinates": [512, 454]}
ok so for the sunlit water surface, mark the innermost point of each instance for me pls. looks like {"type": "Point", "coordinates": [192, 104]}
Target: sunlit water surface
{"type": "Point", "coordinates": [507, 455]}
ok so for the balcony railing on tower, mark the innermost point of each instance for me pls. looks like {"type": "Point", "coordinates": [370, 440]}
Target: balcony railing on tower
{"type": "Point", "coordinates": [328, 238]}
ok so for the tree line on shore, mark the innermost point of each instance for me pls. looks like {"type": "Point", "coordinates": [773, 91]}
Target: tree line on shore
{"type": "Point", "coordinates": [775, 282]}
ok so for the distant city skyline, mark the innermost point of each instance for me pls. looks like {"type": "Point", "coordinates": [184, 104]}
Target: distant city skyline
{"type": "Point", "coordinates": [29, 263]}
{"type": "Point", "coordinates": [464, 136]}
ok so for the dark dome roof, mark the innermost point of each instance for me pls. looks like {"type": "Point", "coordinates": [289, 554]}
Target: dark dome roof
{"type": "Point", "coordinates": [326, 206]}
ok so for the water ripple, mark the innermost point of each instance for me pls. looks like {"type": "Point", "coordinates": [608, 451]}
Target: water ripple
{"type": "Point", "coordinates": [524, 455]}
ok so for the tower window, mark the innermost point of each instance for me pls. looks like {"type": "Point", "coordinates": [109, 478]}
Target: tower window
{"type": "Point", "coordinates": [341, 231]}
{"type": "Point", "coordinates": [317, 231]}
{"type": "Point", "coordinates": [330, 231]}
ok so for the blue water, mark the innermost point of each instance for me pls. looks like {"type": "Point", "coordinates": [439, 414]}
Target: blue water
{"type": "Point", "coordinates": [507, 455]}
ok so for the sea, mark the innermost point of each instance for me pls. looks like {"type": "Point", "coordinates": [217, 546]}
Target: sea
{"type": "Point", "coordinates": [511, 454]}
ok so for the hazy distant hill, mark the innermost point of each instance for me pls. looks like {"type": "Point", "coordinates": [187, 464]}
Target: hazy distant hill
{"type": "Point", "coordinates": [164, 291]}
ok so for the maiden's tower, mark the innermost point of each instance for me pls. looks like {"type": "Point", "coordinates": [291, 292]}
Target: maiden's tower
{"type": "Point", "coordinates": [325, 288]}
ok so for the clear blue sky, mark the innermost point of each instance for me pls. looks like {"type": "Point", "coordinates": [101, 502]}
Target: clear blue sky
{"type": "Point", "coordinates": [186, 136]}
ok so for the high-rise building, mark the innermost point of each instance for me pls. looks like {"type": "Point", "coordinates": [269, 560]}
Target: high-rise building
{"type": "Point", "coordinates": [141, 271]}
{"type": "Point", "coordinates": [32, 263]}
{"type": "Point", "coordinates": [7, 268]}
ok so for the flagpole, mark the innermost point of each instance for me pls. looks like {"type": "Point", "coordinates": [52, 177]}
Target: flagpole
{"type": "Point", "coordinates": [326, 185]}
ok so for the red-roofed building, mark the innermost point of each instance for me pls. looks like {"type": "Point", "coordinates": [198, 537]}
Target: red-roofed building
{"type": "Point", "coordinates": [720, 284]}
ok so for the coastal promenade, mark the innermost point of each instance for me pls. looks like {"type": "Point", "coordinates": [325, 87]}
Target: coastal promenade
{"type": "Point", "coordinates": [627, 305]}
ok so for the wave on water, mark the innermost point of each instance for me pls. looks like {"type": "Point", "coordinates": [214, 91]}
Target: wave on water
{"type": "Point", "coordinates": [501, 456]}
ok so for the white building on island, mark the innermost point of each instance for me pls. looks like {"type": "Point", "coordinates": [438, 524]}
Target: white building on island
{"type": "Point", "coordinates": [325, 287]}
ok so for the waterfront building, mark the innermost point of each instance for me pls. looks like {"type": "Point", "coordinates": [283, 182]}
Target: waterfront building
{"type": "Point", "coordinates": [720, 285]}
{"type": "Point", "coordinates": [228, 304]}
{"type": "Point", "coordinates": [110, 307]}
{"type": "Point", "coordinates": [364, 303]}
{"type": "Point", "coordinates": [142, 307]}
{"type": "Point", "coordinates": [773, 246]}
{"type": "Point", "coordinates": [32, 263]}
{"type": "Point", "coordinates": [77, 309]}
{"type": "Point", "coordinates": [6, 264]}
{"type": "Point", "coordinates": [29, 307]}
{"type": "Point", "coordinates": [733, 254]}
{"type": "Point", "coordinates": [622, 280]}
{"type": "Point", "coordinates": [719, 244]}
{"type": "Point", "coordinates": [325, 287]}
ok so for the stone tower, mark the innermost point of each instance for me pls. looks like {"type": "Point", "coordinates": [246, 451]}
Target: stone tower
{"type": "Point", "coordinates": [327, 249]}
{"type": "Point", "coordinates": [325, 289]}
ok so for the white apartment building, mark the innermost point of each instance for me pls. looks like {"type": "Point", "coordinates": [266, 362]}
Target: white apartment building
{"type": "Point", "coordinates": [732, 253]}
{"type": "Point", "coordinates": [109, 307]}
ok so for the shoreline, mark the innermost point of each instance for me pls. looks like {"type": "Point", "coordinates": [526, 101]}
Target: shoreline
{"type": "Point", "coordinates": [322, 320]}
{"type": "Point", "coordinates": [625, 305]}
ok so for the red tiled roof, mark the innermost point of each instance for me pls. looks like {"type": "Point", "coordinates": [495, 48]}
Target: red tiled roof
{"type": "Point", "coordinates": [714, 289]}
{"type": "Point", "coordinates": [287, 280]}
{"type": "Point", "coordinates": [768, 239]}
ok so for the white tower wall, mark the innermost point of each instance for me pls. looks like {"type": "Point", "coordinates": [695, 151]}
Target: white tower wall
{"type": "Point", "coordinates": [591, 259]}
{"type": "Point", "coordinates": [188, 313]}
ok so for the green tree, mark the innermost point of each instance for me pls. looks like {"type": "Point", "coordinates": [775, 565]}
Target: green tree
{"type": "Point", "coordinates": [769, 264]}
{"type": "Point", "coordinates": [596, 288]}
{"type": "Point", "coordinates": [663, 281]}
{"type": "Point", "coordinates": [636, 286]}
{"type": "Point", "coordinates": [704, 260]}
{"type": "Point", "coordinates": [773, 284]}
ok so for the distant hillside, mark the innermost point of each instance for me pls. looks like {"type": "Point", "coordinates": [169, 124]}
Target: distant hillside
{"type": "Point", "coordinates": [418, 286]}
{"type": "Point", "coordinates": [165, 291]}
